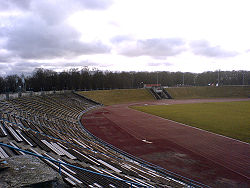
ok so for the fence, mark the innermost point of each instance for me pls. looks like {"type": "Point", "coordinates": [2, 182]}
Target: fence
{"type": "Point", "coordinates": [70, 165]}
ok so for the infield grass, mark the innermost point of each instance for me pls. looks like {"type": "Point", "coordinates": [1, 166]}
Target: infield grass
{"type": "Point", "coordinates": [118, 96]}
{"type": "Point", "coordinates": [209, 92]}
{"type": "Point", "coordinates": [231, 119]}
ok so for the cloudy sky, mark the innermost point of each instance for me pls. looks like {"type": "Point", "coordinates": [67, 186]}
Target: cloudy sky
{"type": "Point", "coordinates": [124, 35]}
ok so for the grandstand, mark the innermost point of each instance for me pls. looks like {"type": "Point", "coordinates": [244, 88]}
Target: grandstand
{"type": "Point", "coordinates": [48, 127]}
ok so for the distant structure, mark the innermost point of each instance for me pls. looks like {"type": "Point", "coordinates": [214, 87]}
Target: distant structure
{"type": "Point", "coordinates": [151, 85]}
{"type": "Point", "coordinates": [157, 91]}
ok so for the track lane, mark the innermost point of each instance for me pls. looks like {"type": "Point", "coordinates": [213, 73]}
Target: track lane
{"type": "Point", "coordinates": [203, 156]}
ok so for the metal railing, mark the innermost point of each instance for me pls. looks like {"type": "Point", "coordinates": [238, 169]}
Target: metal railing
{"type": "Point", "coordinates": [70, 165]}
{"type": "Point", "coordinates": [158, 169]}
{"type": "Point", "coordinates": [94, 141]}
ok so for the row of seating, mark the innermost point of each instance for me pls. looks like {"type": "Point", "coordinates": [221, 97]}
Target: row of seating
{"type": "Point", "coordinates": [49, 125]}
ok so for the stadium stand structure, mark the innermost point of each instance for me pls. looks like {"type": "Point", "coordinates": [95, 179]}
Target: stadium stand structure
{"type": "Point", "coordinates": [159, 93]}
{"type": "Point", "coordinates": [48, 126]}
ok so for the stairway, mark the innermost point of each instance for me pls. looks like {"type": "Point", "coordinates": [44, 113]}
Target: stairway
{"type": "Point", "coordinates": [156, 96]}
{"type": "Point", "coordinates": [163, 94]}
{"type": "Point", "coordinates": [167, 94]}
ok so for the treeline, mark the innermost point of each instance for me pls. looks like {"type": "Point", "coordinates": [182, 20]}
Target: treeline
{"type": "Point", "coordinates": [86, 79]}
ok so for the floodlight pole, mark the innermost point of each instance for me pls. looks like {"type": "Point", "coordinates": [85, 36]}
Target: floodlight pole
{"type": "Point", "coordinates": [195, 76]}
{"type": "Point", "coordinates": [132, 81]}
{"type": "Point", "coordinates": [157, 77]}
{"type": "Point", "coordinates": [243, 79]}
{"type": "Point", "coordinates": [218, 77]}
{"type": "Point", "coordinates": [183, 79]}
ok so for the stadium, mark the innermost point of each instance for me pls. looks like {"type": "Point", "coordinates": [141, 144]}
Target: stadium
{"type": "Point", "coordinates": [88, 144]}
{"type": "Point", "coordinates": [114, 94]}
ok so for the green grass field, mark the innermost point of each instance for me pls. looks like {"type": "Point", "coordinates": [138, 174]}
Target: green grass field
{"type": "Point", "coordinates": [118, 96]}
{"type": "Point", "coordinates": [230, 119]}
{"type": "Point", "coordinates": [209, 92]}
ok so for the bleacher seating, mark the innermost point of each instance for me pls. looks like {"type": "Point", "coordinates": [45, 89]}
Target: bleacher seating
{"type": "Point", "coordinates": [49, 125]}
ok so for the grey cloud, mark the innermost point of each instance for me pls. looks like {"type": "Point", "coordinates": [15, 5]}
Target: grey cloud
{"type": "Point", "coordinates": [8, 69]}
{"type": "Point", "coordinates": [40, 31]}
{"type": "Point", "coordinates": [56, 11]}
{"type": "Point", "coordinates": [3, 69]}
{"type": "Point", "coordinates": [105, 65]}
{"type": "Point", "coordinates": [22, 67]}
{"type": "Point", "coordinates": [85, 63]}
{"type": "Point", "coordinates": [14, 4]}
{"type": "Point", "coordinates": [120, 38]}
{"type": "Point", "coordinates": [67, 4]}
{"type": "Point", "coordinates": [28, 64]}
{"type": "Point", "coordinates": [25, 67]}
{"type": "Point", "coordinates": [53, 11]}
{"type": "Point", "coordinates": [32, 38]}
{"type": "Point", "coordinates": [4, 58]}
{"type": "Point", "coordinates": [156, 48]}
{"type": "Point", "coordinates": [203, 48]}
{"type": "Point", "coordinates": [2, 31]}
{"type": "Point", "coordinates": [95, 4]}
{"type": "Point", "coordinates": [5, 55]}
{"type": "Point", "coordinates": [80, 64]}
{"type": "Point", "coordinates": [2, 66]}
{"type": "Point", "coordinates": [167, 64]}
{"type": "Point", "coordinates": [155, 64]}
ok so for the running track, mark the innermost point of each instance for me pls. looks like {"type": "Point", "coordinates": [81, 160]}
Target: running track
{"type": "Point", "coordinates": [209, 158]}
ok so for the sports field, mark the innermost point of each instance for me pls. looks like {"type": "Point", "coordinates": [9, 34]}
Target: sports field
{"type": "Point", "coordinates": [209, 92]}
{"type": "Point", "coordinates": [230, 119]}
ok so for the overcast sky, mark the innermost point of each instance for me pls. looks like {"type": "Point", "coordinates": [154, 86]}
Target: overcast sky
{"type": "Point", "coordinates": [124, 35]}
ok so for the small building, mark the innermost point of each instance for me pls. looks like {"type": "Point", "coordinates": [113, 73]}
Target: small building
{"type": "Point", "coordinates": [151, 85]}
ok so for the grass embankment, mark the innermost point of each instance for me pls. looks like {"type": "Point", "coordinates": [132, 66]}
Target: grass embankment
{"type": "Point", "coordinates": [209, 92]}
{"type": "Point", "coordinates": [118, 96]}
{"type": "Point", "coordinates": [230, 119]}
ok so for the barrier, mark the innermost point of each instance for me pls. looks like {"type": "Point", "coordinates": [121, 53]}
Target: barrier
{"type": "Point", "coordinates": [130, 157]}
{"type": "Point", "coordinates": [108, 155]}
{"type": "Point", "coordinates": [70, 165]}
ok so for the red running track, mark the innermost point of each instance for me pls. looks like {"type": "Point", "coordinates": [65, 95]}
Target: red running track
{"type": "Point", "coordinates": [209, 158]}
